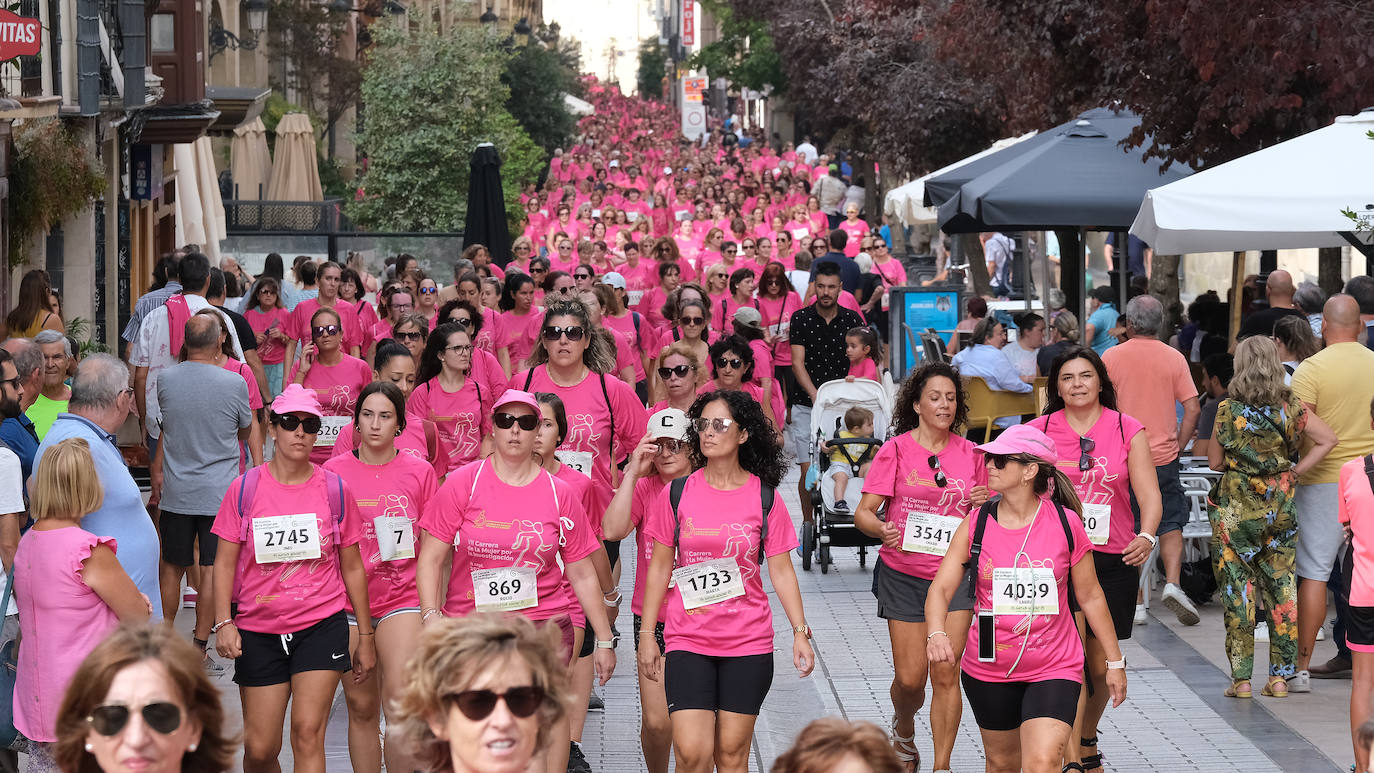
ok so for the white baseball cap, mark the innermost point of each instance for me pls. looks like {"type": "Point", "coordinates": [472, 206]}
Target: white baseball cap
{"type": "Point", "coordinates": [668, 423]}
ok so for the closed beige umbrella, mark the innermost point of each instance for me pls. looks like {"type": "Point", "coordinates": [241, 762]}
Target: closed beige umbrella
{"type": "Point", "coordinates": [249, 161]}
{"type": "Point", "coordinates": [295, 176]}
{"type": "Point", "coordinates": [211, 205]}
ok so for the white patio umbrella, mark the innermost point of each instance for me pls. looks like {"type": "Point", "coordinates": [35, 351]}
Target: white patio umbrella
{"type": "Point", "coordinates": [907, 202]}
{"type": "Point", "coordinates": [1286, 196]}
{"type": "Point", "coordinates": [577, 106]}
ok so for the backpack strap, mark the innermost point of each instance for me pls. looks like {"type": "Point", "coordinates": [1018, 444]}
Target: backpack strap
{"type": "Point", "coordinates": [975, 546]}
{"type": "Point", "coordinates": [333, 489]}
{"type": "Point", "coordinates": [248, 490]}
{"type": "Point", "coordinates": [1369, 469]}
{"type": "Point", "coordinates": [431, 439]}
{"type": "Point", "coordinates": [767, 494]}
{"type": "Point", "coordinates": [529, 376]}
{"type": "Point", "coordinates": [610, 410]}
{"type": "Point", "coordinates": [675, 498]}
{"type": "Point", "coordinates": [634, 315]}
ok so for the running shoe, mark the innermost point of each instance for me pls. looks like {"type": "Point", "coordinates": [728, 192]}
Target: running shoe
{"type": "Point", "coordinates": [841, 506]}
{"type": "Point", "coordinates": [577, 763]}
{"type": "Point", "coordinates": [595, 703]}
{"type": "Point", "coordinates": [1141, 616]}
{"type": "Point", "coordinates": [212, 669]}
{"type": "Point", "coordinates": [1178, 602]}
{"type": "Point", "coordinates": [1300, 682]}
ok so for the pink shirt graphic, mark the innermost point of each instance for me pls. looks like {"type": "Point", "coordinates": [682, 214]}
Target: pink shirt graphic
{"type": "Point", "coordinates": [337, 387]}
{"type": "Point", "coordinates": [1053, 650]}
{"type": "Point", "coordinates": [1108, 480]}
{"type": "Point", "coordinates": [901, 471]}
{"type": "Point", "coordinates": [287, 596]}
{"type": "Point", "coordinates": [722, 524]}
{"type": "Point", "coordinates": [473, 512]}
{"type": "Point", "coordinates": [518, 333]}
{"type": "Point", "coordinates": [399, 488]}
{"type": "Point", "coordinates": [461, 416]}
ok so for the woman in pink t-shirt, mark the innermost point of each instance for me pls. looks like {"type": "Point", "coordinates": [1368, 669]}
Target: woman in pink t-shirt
{"type": "Point", "coordinates": [1106, 455]}
{"type": "Point", "coordinates": [1355, 509]}
{"type": "Point", "coordinates": [507, 560]}
{"type": "Point", "coordinates": [855, 228]}
{"type": "Point", "coordinates": [419, 437]}
{"type": "Point", "coordinates": [929, 478]}
{"type": "Point", "coordinates": [733, 367]}
{"type": "Point", "coordinates": [776, 302]}
{"type": "Point", "coordinates": [484, 323]}
{"type": "Point", "coordinates": [70, 589]}
{"type": "Point", "coordinates": [268, 317]}
{"type": "Point", "coordinates": [678, 377]}
{"type": "Point", "coordinates": [658, 460]}
{"type": "Point", "coordinates": [652, 301]}
{"type": "Point", "coordinates": [452, 394]}
{"type": "Point", "coordinates": [719, 627]}
{"type": "Point", "coordinates": [1023, 666]}
{"type": "Point", "coordinates": [520, 321]}
{"type": "Point", "coordinates": [288, 558]}
{"type": "Point", "coordinates": [335, 377]}
{"type": "Point", "coordinates": [391, 489]}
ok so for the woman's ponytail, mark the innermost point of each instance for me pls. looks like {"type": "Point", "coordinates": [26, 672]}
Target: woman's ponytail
{"type": "Point", "coordinates": [1052, 481]}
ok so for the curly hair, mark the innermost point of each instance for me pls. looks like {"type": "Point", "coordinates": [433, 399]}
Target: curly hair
{"type": "Point", "coordinates": [904, 415]}
{"type": "Point", "coordinates": [1107, 395]}
{"type": "Point", "coordinates": [473, 314]}
{"type": "Point", "coordinates": [1258, 379]}
{"type": "Point", "coordinates": [760, 454]}
{"type": "Point", "coordinates": [599, 355]}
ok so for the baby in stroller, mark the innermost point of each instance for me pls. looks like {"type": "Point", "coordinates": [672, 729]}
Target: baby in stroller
{"type": "Point", "coordinates": [851, 457]}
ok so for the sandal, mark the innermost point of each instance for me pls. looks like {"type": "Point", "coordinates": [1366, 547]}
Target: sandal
{"type": "Point", "coordinates": [1276, 687]}
{"type": "Point", "coordinates": [905, 748]}
{"type": "Point", "coordinates": [1241, 689]}
{"type": "Point", "coordinates": [1091, 761]}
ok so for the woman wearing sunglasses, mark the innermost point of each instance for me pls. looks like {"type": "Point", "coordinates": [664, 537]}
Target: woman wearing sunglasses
{"type": "Point", "coordinates": [418, 437]}
{"type": "Point", "coordinates": [679, 376]}
{"type": "Point", "coordinates": [453, 394]}
{"type": "Point", "coordinates": [776, 303]}
{"type": "Point", "coordinates": [658, 460]}
{"type": "Point", "coordinates": [483, 696]}
{"type": "Point", "coordinates": [927, 478]}
{"type": "Point", "coordinates": [652, 302]}
{"type": "Point", "coordinates": [1106, 455]}
{"type": "Point", "coordinates": [428, 305]}
{"type": "Point", "coordinates": [141, 701]}
{"type": "Point", "coordinates": [520, 320]}
{"type": "Point", "coordinates": [288, 558]}
{"type": "Point", "coordinates": [392, 489]}
{"type": "Point", "coordinates": [411, 331]}
{"type": "Point", "coordinates": [1023, 666]}
{"type": "Point", "coordinates": [506, 561]}
{"type": "Point", "coordinates": [733, 368]}
{"type": "Point", "coordinates": [335, 377]}
{"type": "Point", "coordinates": [70, 589]}
{"type": "Point", "coordinates": [267, 315]}
{"type": "Point", "coordinates": [719, 626]}
{"type": "Point", "coordinates": [690, 331]}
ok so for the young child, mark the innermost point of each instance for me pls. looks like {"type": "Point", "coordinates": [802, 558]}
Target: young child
{"type": "Point", "coordinates": [861, 346]}
{"type": "Point", "coordinates": [858, 422]}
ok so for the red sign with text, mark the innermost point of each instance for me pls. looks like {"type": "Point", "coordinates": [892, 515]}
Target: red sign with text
{"type": "Point", "coordinates": [19, 36]}
{"type": "Point", "coordinates": [689, 22]}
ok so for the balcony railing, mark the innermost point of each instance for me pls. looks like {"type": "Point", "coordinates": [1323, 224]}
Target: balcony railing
{"type": "Point", "coordinates": [303, 217]}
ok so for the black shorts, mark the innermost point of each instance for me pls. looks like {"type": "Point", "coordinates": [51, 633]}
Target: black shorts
{"type": "Point", "coordinates": [612, 551]}
{"type": "Point", "coordinates": [1359, 629]}
{"type": "Point", "coordinates": [902, 596]}
{"type": "Point", "coordinates": [712, 683]}
{"type": "Point", "coordinates": [179, 536]}
{"type": "Point", "coordinates": [658, 634]}
{"type": "Point", "coordinates": [1007, 705]}
{"type": "Point", "coordinates": [588, 640]}
{"type": "Point", "coordinates": [1120, 583]}
{"type": "Point", "coordinates": [270, 658]}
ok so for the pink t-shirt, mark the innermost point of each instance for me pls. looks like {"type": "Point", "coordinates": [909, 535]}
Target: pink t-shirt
{"type": "Point", "coordinates": [367, 322]}
{"type": "Point", "coordinates": [63, 621]}
{"type": "Point", "coordinates": [643, 341]}
{"type": "Point", "coordinates": [777, 320]}
{"type": "Point", "coordinates": [246, 373]}
{"type": "Point", "coordinates": [856, 231]}
{"type": "Point", "coordinates": [1356, 507]}
{"type": "Point", "coordinates": [519, 333]}
{"type": "Point", "coordinates": [902, 472]}
{"type": "Point", "coordinates": [414, 440]}
{"type": "Point", "coordinates": [337, 387]}
{"type": "Point", "coordinates": [865, 368]}
{"type": "Point", "coordinates": [463, 417]}
{"type": "Point", "coordinates": [892, 272]}
{"type": "Point", "coordinates": [1108, 482]}
{"type": "Point", "coordinates": [288, 596]}
{"type": "Point", "coordinates": [399, 488]}
{"type": "Point", "coordinates": [646, 491]}
{"type": "Point", "coordinates": [473, 512]}
{"type": "Point", "coordinates": [763, 360]}
{"type": "Point", "coordinates": [721, 524]}
{"type": "Point", "coordinates": [582, 489]}
{"type": "Point", "coordinates": [1054, 650]}
{"type": "Point", "coordinates": [271, 351]}
{"type": "Point", "coordinates": [488, 339]}
{"type": "Point", "coordinates": [589, 421]}
{"type": "Point", "coordinates": [300, 323]}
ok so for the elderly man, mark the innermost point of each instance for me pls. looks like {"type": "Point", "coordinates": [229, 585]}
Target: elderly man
{"type": "Point", "coordinates": [18, 431]}
{"type": "Point", "coordinates": [101, 400]}
{"type": "Point", "coordinates": [1151, 377]}
{"type": "Point", "coordinates": [52, 400]}
{"type": "Point", "coordinates": [986, 360]}
{"type": "Point", "coordinates": [1310, 299]}
{"type": "Point", "coordinates": [1333, 384]}
{"type": "Point", "coordinates": [1279, 290]}
{"type": "Point", "coordinates": [153, 300]}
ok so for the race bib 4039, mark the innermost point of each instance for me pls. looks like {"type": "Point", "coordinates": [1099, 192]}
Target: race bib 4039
{"type": "Point", "coordinates": [1024, 591]}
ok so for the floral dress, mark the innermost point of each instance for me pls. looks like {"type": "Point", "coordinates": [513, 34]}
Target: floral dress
{"type": "Point", "coordinates": [1254, 530]}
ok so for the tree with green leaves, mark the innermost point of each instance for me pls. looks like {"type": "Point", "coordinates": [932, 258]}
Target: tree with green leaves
{"type": "Point", "coordinates": [653, 66]}
{"type": "Point", "coordinates": [744, 54]}
{"type": "Point", "coordinates": [309, 37]}
{"type": "Point", "coordinates": [538, 78]}
{"type": "Point", "coordinates": [431, 98]}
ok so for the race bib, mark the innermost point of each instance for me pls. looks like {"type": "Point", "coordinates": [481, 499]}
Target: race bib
{"type": "Point", "coordinates": [329, 430]}
{"type": "Point", "coordinates": [929, 533]}
{"type": "Point", "coordinates": [395, 537]}
{"type": "Point", "coordinates": [781, 329]}
{"type": "Point", "coordinates": [631, 215]}
{"type": "Point", "coordinates": [280, 538]}
{"type": "Point", "coordinates": [1097, 520]}
{"type": "Point", "coordinates": [506, 589]}
{"type": "Point", "coordinates": [634, 296]}
{"type": "Point", "coordinates": [799, 233]}
{"type": "Point", "coordinates": [1024, 591]}
{"type": "Point", "coordinates": [578, 460]}
{"type": "Point", "coordinates": [708, 582]}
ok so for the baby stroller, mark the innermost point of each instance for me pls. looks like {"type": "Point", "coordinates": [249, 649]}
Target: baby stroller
{"type": "Point", "coordinates": [832, 528]}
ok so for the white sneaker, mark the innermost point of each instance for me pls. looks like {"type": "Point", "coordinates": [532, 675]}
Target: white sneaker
{"type": "Point", "coordinates": [1321, 634]}
{"type": "Point", "coordinates": [1300, 682]}
{"type": "Point", "coordinates": [1178, 602]}
{"type": "Point", "coordinates": [1140, 615]}
{"type": "Point", "coordinates": [1261, 632]}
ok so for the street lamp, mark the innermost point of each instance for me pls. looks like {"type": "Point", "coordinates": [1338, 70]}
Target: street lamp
{"type": "Point", "coordinates": [257, 15]}
{"type": "Point", "coordinates": [221, 38]}
{"type": "Point", "coordinates": [489, 17]}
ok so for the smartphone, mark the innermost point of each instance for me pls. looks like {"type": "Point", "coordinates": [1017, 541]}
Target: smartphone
{"type": "Point", "coordinates": [987, 637]}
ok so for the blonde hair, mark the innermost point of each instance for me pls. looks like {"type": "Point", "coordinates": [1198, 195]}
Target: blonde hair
{"type": "Point", "coordinates": [1258, 379]}
{"type": "Point", "coordinates": [65, 484]}
{"type": "Point", "coordinates": [824, 743]}
{"type": "Point", "coordinates": [453, 652]}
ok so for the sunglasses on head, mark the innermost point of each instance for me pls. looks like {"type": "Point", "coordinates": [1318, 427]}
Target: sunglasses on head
{"type": "Point", "coordinates": [110, 720]}
{"type": "Point", "coordinates": [680, 371]}
{"type": "Point", "coordinates": [1086, 445]}
{"type": "Point", "coordinates": [477, 705]}
{"type": "Point", "coordinates": [554, 332]}
{"type": "Point", "coordinates": [289, 422]}
{"type": "Point", "coordinates": [416, 336]}
{"type": "Point", "coordinates": [934, 462]}
{"type": "Point", "coordinates": [718, 425]}
{"type": "Point", "coordinates": [321, 331]}
{"type": "Point", "coordinates": [527, 422]}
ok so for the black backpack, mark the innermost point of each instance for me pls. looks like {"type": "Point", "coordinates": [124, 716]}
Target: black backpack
{"type": "Point", "coordinates": [766, 496]}
{"type": "Point", "coordinates": [975, 548]}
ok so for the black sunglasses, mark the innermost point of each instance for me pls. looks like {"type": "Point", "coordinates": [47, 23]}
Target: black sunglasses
{"type": "Point", "coordinates": [161, 716]}
{"type": "Point", "coordinates": [680, 371]}
{"type": "Point", "coordinates": [321, 331]}
{"type": "Point", "coordinates": [734, 363]}
{"type": "Point", "coordinates": [477, 705]}
{"type": "Point", "coordinates": [416, 336]}
{"type": "Point", "coordinates": [1086, 445]}
{"type": "Point", "coordinates": [504, 420]}
{"type": "Point", "coordinates": [582, 276]}
{"type": "Point", "coordinates": [554, 332]}
{"type": "Point", "coordinates": [289, 422]}
{"type": "Point", "coordinates": [1000, 460]}
{"type": "Point", "coordinates": [940, 479]}
{"type": "Point", "coordinates": [461, 321]}
{"type": "Point", "coordinates": [691, 321]}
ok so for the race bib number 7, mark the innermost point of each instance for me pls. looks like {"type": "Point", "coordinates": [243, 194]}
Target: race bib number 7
{"type": "Point", "coordinates": [1024, 591]}
{"type": "Point", "coordinates": [395, 537]}
{"type": "Point", "coordinates": [280, 538]}
{"type": "Point", "coordinates": [708, 582]}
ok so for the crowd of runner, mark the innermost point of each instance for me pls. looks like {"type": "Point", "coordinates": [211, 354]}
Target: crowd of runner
{"type": "Point", "coordinates": [421, 486]}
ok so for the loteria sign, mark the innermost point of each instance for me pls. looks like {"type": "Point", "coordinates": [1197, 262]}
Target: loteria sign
{"type": "Point", "coordinates": [19, 36]}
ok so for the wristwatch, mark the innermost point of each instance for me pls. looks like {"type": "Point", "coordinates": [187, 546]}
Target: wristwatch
{"type": "Point", "coordinates": [1150, 537]}
{"type": "Point", "coordinates": [1121, 664]}
{"type": "Point", "coordinates": [608, 645]}
{"type": "Point", "coordinates": [803, 628]}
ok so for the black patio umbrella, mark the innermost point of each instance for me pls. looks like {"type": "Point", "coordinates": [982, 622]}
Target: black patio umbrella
{"type": "Point", "coordinates": [486, 217]}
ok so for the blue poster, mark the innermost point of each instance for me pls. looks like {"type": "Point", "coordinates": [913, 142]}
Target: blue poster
{"type": "Point", "coordinates": [927, 308]}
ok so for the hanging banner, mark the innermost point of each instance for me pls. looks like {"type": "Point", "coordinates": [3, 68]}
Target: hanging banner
{"type": "Point", "coordinates": [19, 35]}
{"type": "Point", "coordinates": [689, 23]}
